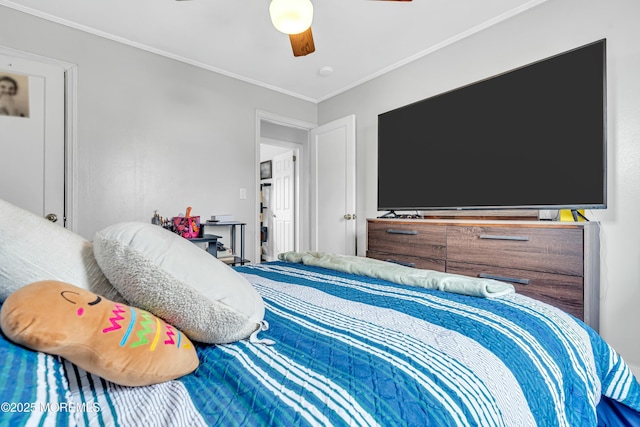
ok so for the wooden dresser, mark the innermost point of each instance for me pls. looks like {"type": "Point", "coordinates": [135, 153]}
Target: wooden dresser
{"type": "Point", "coordinates": [555, 262]}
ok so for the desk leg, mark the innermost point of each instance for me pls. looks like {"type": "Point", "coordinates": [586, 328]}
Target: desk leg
{"type": "Point", "coordinates": [242, 244]}
{"type": "Point", "coordinates": [212, 248]}
{"type": "Point", "coordinates": [233, 238]}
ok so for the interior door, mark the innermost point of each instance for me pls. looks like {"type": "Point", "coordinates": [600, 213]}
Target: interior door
{"type": "Point", "coordinates": [283, 202]}
{"type": "Point", "coordinates": [32, 165]}
{"type": "Point", "coordinates": [333, 187]}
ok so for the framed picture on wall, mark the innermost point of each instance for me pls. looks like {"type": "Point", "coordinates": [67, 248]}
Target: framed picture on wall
{"type": "Point", "coordinates": [14, 94]}
{"type": "Point", "coordinates": [265, 169]}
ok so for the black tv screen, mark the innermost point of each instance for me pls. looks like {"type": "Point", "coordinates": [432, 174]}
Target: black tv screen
{"type": "Point", "coordinates": [533, 138]}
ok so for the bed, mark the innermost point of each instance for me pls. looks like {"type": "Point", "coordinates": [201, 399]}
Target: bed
{"type": "Point", "coordinates": [354, 350]}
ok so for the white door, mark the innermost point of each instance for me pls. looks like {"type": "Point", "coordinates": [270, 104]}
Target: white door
{"type": "Point", "coordinates": [333, 187]}
{"type": "Point", "coordinates": [283, 202]}
{"type": "Point", "coordinates": [32, 168]}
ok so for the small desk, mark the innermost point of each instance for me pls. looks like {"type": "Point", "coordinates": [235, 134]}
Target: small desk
{"type": "Point", "coordinates": [211, 240]}
{"type": "Point", "coordinates": [238, 259]}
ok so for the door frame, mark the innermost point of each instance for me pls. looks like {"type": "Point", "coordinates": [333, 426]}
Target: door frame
{"type": "Point", "coordinates": [70, 129]}
{"type": "Point", "coordinates": [303, 225]}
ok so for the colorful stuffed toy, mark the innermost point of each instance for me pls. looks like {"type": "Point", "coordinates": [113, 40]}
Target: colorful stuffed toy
{"type": "Point", "coordinates": [120, 343]}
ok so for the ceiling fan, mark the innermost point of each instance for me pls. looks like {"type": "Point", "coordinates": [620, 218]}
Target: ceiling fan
{"type": "Point", "coordinates": [294, 17]}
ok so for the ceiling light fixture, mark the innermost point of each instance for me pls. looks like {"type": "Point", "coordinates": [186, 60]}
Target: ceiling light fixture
{"type": "Point", "coordinates": [325, 71]}
{"type": "Point", "coordinates": [291, 16]}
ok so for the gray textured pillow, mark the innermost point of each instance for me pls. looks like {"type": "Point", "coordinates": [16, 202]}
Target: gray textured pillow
{"type": "Point", "coordinates": [33, 249]}
{"type": "Point", "coordinates": [163, 273]}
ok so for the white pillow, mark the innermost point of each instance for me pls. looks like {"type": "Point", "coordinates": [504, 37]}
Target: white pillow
{"type": "Point", "coordinates": [33, 249]}
{"type": "Point", "coordinates": [163, 273]}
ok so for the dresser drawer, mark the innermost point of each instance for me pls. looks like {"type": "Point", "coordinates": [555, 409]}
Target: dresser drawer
{"type": "Point", "coordinates": [548, 250]}
{"type": "Point", "coordinates": [563, 291]}
{"type": "Point", "coordinates": [554, 262]}
{"type": "Point", "coordinates": [414, 239]}
{"type": "Point", "coordinates": [409, 261]}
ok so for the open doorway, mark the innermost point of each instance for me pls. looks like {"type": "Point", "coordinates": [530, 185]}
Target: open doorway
{"type": "Point", "coordinates": [325, 189]}
{"type": "Point", "coordinates": [282, 148]}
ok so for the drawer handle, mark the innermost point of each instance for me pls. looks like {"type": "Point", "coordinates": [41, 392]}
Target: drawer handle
{"type": "Point", "coordinates": [392, 231]}
{"type": "Point", "coordinates": [504, 279]}
{"type": "Point", "coordinates": [498, 237]}
{"type": "Point", "coordinates": [406, 264]}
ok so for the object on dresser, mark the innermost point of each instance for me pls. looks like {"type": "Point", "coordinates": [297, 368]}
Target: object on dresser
{"type": "Point", "coordinates": [156, 219]}
{"type": "Point", "coordinates": [225, 254]}
{"type": "Point", "coordinates": [187, 226]}
{"type": "Point", "coordinates": [221, 218]}
{"type": "Point", "coordinates": [164, 222]}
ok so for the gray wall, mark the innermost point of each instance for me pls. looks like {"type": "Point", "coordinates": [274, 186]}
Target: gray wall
{"type": "Point", "coordinates": [550, 28]}
{"type": "Point", "coordinates": [154, 133]}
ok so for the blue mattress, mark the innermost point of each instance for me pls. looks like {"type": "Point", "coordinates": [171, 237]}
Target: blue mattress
{"type": "Point", "coordinates": [355, 351]}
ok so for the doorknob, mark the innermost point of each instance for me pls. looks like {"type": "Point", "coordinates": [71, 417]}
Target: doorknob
{"type": "Point", "coordinates": [349, 216]}
{"type": "Point", "coordinates": [52, 217]}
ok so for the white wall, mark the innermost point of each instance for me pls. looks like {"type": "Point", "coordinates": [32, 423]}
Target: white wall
{"type": "Point", "coordinates": [154, 133]}
{"type": "Point", "coordinates": [550, 28]}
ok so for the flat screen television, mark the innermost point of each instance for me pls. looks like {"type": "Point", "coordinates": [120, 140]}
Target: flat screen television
{"type": "Point", "coordinates": [530, 138]}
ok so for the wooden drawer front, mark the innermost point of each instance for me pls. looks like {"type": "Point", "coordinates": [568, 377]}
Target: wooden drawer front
{"type": "Point", "coordinates": [410, 261]}
{"type": "Point", "coordinates": [422, 240]}
{"type": "Point", "coordinates": [562, 291]}
{"type": "Point", "coordinates": [527, 248]}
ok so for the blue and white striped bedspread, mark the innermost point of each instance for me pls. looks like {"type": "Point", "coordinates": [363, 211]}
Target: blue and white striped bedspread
{"type": "Point", "coordinates": [396, 355]}
{"type": "Point", "coordinates": [365, 352]}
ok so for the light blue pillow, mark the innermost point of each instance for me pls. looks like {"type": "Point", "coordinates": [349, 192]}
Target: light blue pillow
{"type": "Point", "coordinates": [163, 273]}
{"type": "Point", "coordinates": [33, 249]}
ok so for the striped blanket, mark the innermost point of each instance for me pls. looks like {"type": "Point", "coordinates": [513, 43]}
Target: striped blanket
{"type": "Point", "coordinates": [352, 351]}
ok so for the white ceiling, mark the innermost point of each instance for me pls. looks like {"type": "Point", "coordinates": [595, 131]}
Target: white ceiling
{"type": "Point", "coordinates": [358, 39]}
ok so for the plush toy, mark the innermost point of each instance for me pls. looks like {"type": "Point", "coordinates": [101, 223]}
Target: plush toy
{"type": "Point", "coordinates": [120, 343]}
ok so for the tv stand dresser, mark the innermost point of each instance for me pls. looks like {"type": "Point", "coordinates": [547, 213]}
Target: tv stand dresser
{"type": "Point", "coordinates": [554, 262]}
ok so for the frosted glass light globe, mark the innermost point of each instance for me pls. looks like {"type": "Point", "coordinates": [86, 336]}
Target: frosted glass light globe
{"type": "Point", "coordinates": [291, 16]}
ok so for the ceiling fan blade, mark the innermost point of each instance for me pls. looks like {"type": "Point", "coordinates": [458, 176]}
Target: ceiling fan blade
{"type": "Point", "coordinates": [302, 44]}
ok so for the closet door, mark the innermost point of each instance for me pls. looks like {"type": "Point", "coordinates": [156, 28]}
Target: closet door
{"type": "Point", "coordinates": [283, 202]}
{"type": "Point", "coordinates": [32, 166]}
{"type": "Point", "coordinates": [333, 187]}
